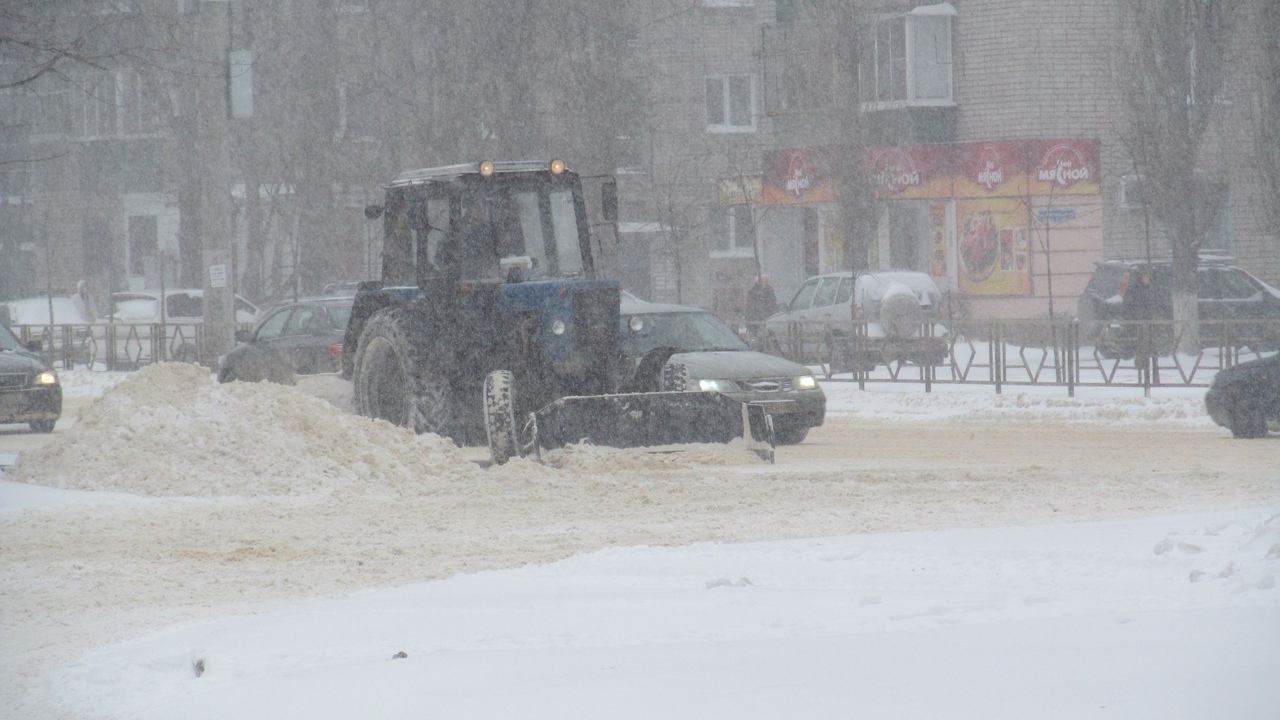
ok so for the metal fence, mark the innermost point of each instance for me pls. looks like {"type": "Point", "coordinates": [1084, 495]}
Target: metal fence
{"type": "Point", "coordinates": [1020, 353]}
{"type": "Point", "coordinates": [997, 353]}
{"type": "Point", "coordinates": [116, 346]}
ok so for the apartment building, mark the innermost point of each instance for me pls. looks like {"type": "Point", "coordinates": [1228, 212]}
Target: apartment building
{"type": "Point", "coordinates": [989, 132]}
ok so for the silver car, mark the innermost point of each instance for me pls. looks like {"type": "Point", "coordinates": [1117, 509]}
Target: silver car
{"type": "Point", "coordinates": [901, 311]}
{"type": "Point", "coordinates": [701, 352]}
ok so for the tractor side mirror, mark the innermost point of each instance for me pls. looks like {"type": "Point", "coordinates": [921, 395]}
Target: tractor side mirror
{"type": "Point", "coordinates": [609, 200]}
{"type": "Point", "coordinates": [373, 212]}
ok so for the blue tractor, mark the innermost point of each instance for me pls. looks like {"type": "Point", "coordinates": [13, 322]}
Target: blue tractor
{"type": "Point", "coordinates": [491, 325]}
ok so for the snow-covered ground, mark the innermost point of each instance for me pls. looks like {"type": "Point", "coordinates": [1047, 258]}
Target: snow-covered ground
{"type": "Point", "coordinates": [189, 550]}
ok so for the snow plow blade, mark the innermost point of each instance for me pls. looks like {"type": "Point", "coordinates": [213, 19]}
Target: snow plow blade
{"type": "Point", "coordinates": [633, 420]}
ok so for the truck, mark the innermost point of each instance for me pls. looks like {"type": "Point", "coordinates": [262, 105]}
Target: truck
{"type": "Point", "coordinates": [492, 325]}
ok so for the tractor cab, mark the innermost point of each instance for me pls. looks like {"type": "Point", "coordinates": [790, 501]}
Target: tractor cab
{"type": "Point", "coordinates": [485, 221]}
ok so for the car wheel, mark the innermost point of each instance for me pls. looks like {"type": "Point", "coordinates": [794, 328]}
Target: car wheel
{"type": "Point", "coordinates": [42, 426]}
{"type": "Point", "coordinates": [500, 416]}
{"type": "Point", "coordinates": [788, 434]}
{"type": "Point", "coordinates": [1246, 420]}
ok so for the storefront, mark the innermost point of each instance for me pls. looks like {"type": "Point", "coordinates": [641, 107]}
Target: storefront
{"type": "Point", "coordinates": [1011, 227]}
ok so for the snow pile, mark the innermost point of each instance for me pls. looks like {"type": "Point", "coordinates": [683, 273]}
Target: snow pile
{"type": "Point", "coordinates": [170, 430]}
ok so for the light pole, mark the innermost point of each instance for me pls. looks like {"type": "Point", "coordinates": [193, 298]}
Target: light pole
{"type": "Point", "coordinates": [215, 205]}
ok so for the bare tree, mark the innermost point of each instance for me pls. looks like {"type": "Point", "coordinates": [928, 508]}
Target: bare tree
{"type": "Point", "coordinates": [1172, 69]}
{"type": "Point", "coordinates": [1264, 110]}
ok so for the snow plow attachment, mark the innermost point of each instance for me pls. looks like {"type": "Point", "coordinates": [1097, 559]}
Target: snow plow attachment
{"type": "Point", "coordinates": [632, 420]}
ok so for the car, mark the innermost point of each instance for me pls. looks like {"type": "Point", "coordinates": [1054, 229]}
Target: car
{"type": "Point", "coordinates": [302, 338]}
{"type": "Point", "coordinates": [697, 351]}
{"type": "Point", "coordinates": [1109, 315]}
{"type": "Point", "coordinates": [182, 311]}
{"type": "Point", "coordinates": [902, 311]}
{"type": "Point", "coordinates": [29, 389]}
{"type": "Point", "coordinates": [67, 336]}
{"type": "Point", "coordinates": [1244, 398]}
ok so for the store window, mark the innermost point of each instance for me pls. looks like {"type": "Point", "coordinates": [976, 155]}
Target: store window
{"type": "Point", "coordinates": [734, 231]}
{"type": "Point", "coordinates": [730, 103]}
{"type": "Point", "coordinates": [908, 59]}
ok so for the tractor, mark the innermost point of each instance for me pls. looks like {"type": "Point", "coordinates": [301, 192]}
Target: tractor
{"type": "Point", "coordinates": [491, 326]}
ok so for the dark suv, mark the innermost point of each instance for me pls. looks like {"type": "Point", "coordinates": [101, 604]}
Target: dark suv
{"type": "Point", "coordinates": [1234, 306]}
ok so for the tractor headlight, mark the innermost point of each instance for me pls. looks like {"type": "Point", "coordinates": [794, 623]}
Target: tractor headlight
{"type": "Point", "coordinates": [806, 382]}
{"type": "Point", "coordinates": [720, 386]}
{"type": "Point", "coordinates": [486, 168]}
{"type": "Point", "coordinates": [557, 166]}
{"type": "Point", "coordinates": [48, 377]}
{"type": "Point", "coordinates": [636, 323]}
{"type": "Point", "coordinates": [558, 327]}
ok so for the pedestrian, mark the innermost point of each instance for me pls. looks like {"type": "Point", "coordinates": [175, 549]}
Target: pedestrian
{"type": "Point", "coordinates": [1139, 299]}
{"type": "Point", "coordinates": [84, 304]}
{"type": "Point", "coordinates": [761, 300]}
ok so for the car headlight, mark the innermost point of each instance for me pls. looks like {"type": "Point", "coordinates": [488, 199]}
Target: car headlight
{"type": "Point", "coordinates": [806, 382]}
{"type": "Point", "coordinates": [720, 386]}
{"type": "Point", "coordinates": [558, 327]}
{"type": "Point", "coordinates": [48, 377]}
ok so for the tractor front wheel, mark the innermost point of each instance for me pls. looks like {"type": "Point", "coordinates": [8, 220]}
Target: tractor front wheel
{"type": "Point", "coordinates": [500, 416]}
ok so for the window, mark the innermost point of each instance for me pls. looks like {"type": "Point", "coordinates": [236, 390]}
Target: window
{"type": "Point", "coordinates": [908, 61]}
{"type": "Point", "coordinates": [805, 295]}
{"type": "Point", "coordinates": [731, 103]}
{"type": "Point", "coordinates": [272, 327]}
{"type": "Point", "coordinates": [733, 231]}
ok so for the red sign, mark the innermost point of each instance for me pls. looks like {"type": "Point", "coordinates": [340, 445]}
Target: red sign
{"type": "Point", "coordinates": [1067, 166]}
{"type": "Point", "coordinates": [796, 176]}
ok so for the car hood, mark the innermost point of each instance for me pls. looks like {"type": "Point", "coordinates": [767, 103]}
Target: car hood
{"type": "Point", "coordinates": [738, 364]}
{"type": "Point", "coordinates": [1246, 369]}
{"type": "Point", "coordinates": [14, 362]}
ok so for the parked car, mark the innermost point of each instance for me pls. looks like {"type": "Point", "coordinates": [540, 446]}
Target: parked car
{"type": "Point", "coordinates": [302, 338]}
{"type": "Point", "coordinates": [902, 310]}
{"type": "Point", "coordinates": [29, 389]}
{"type": "Point", "coordinates": [1244, 398]}
{"type": "Point", "coordinates": [1109, 313]}
{"type": "Point", "coordinates": [696, 350]}
{"type": "Point", "coordinates": [183, 311]}
{"type": "Point", "coordinates": [66, 335]}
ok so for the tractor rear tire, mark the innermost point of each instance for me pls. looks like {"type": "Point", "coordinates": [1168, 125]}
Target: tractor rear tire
{"type": "Point", "coordinates": [500, 416]}
{"type": "Point", "coordinates": [390, 380]}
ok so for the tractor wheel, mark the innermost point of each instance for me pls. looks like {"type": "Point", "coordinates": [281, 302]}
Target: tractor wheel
{"type": "Point", "coordinates": [675, 377]}
{"type": "Point", "coordinates": [391, 383]}
{"type": "Point", "coordinates": [500, 416]}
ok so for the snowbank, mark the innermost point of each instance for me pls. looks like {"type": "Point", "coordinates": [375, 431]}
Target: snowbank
{"type": "Point", "coordinates": [169, 429]}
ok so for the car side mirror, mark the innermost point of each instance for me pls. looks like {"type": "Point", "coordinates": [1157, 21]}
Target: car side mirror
{"type": "Point", "coordinates": [373, 212]}
{"type": "Point", "coordinates": [35, 346]}
{"type": "Point", "coordinates": [243, 336]}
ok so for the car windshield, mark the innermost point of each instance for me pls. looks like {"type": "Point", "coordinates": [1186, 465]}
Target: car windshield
{"type": "Point", "coordinates": [686, 331]}
{"type": "Point", "coordinates": [8, 341]}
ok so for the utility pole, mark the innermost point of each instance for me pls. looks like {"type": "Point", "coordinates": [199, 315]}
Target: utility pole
{"type": "Point", "coordinates": [215, 202]}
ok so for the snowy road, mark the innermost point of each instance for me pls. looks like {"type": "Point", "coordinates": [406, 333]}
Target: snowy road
{"type": "Point", "coordinates": [219, 537]}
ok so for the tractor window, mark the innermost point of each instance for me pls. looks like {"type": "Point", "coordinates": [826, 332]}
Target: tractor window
{"type": "Point", "coordinates": [535, 245]}
{"type": "Point", "coordinates": [437, 228]}
{"type": "Point", "coordinates": [564, 222]}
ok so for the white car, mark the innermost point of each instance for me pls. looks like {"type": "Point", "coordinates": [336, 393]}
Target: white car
{"type": "Point", "coordinates": [182, 313]}
{"type": "Point", "coordinates": [901, 310]}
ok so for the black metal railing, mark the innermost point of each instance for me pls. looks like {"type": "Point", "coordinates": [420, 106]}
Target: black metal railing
{"type": "Point", "coordinates": [1013, 353]}
{"type": "Point", "coordinates": [116, 346]}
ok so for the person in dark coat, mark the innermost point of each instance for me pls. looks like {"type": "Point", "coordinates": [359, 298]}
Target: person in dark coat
{"type": "Point", "coordinates": [761, 299]}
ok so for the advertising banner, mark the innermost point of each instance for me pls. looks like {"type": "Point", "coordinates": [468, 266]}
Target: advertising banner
{"type": "Point", "coordinates": [992, 169]}
{"type": "Point", "coordinates": [910, 172]}
{"type": "Point", "coordinates": [993, 248]}
{"type": "Point", "coordinates": [797, 176]}
{"type": "Point", "coordinates": [1067, 167]}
